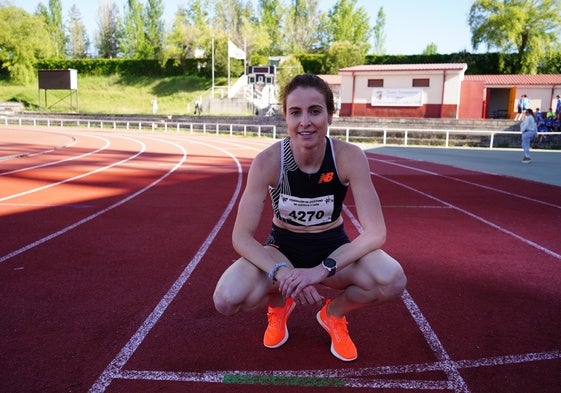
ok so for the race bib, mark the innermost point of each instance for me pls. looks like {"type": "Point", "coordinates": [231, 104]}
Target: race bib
{"type": "Point", "coordinates": [306, 211]}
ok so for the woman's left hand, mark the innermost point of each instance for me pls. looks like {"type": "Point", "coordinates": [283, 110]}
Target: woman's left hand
{"type": "Point", "coordinates": [299, 285]}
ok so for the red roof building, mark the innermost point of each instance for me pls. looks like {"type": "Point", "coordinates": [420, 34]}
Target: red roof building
{"type": "Point", "coordinates": [436, 91]}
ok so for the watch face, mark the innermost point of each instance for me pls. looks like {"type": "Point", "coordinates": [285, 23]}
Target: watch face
{"type": "Point", "coordinates": [329, 263]}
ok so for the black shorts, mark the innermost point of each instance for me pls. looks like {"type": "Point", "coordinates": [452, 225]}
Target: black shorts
{"type": "Point", "coordinates": [305, 250]}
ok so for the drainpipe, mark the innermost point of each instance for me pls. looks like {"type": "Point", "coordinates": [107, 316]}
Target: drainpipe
{"type": "Point", "coordinates": [442, 94]}
{"type": "Point", "coordinates": [353, 95]}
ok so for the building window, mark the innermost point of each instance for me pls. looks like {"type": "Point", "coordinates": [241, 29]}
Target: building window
{"type": "Point", "coordinates": [375, 83]}
{"type": "Point", "coordinates": [421, 82]}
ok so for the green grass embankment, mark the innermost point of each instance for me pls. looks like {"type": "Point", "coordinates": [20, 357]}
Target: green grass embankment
{"type": "Point", "coordinates": [113, 95]}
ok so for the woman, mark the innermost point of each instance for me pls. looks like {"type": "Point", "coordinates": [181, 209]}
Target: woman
{"type": "Point", "coordinates": [306, 176]}
{"type": "Point", "coordinates": [528, 128]}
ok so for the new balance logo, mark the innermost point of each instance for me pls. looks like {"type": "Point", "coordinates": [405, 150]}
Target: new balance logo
{"type": "Point", "coordinates": [325, 177]}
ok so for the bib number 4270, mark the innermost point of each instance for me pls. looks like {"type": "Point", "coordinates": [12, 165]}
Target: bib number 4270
{"type": "Point", "coordinates": [306, 211]}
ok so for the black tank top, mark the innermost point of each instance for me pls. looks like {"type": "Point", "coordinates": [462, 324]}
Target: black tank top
{"type": "Point", "coordinates": [308, 199]}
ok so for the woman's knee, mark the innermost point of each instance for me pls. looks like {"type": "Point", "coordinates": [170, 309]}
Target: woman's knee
{"type": "Point", "coordinates": [388, 276]}
{"type": "Point", "coordinates": [238, 288]}
{"type": "Point", "coordinates": [396, 285]}
{"type": "Point", "coordinates": [223, 303]}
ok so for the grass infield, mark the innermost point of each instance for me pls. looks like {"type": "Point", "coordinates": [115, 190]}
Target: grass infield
{"type": "Point", "coordinates": [280, 380]}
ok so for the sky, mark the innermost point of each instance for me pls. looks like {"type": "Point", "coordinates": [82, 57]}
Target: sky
{"type": "Point", "coordinates": [411, 25]}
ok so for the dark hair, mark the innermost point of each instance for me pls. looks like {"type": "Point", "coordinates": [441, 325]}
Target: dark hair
{"type": "Point", "coordinates": [531, 113]}
{"type": "Point", "coordinates": [313, 81]}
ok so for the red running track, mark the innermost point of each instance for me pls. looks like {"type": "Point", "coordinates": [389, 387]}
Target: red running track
{"type": "Point", "coordinates": [112, 243]}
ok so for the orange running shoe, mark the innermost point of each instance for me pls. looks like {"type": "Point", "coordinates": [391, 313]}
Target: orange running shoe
{"type": "Point", "coordinates": [277, 332]}
{"type": "Point", "coordinates": [342, 346]}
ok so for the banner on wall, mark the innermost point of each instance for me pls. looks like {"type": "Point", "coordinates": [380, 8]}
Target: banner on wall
{"type": "Point", "coordinates": [397, 97]}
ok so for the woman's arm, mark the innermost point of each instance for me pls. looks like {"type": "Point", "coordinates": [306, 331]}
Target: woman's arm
{"type": "Point", "coordinates": [263, 172]}
{"type": "Point", "coordinates": [354, 167]}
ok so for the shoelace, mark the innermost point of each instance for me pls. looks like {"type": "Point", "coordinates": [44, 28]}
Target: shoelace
{"type": "Point", "coordinates": [339, 328]}
{"type": "Point", "coordinates": [274, 317]}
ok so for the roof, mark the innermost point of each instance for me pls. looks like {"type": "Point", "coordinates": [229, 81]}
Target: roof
{"type": "Point", "coordinates": [406, 67]}
{"type": "Point", "coordinates": [331, 79]}
{"type": "Point", "coordinates": [517, 80]}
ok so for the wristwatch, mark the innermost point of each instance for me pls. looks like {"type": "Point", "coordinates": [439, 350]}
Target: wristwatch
{"type": "Point", "coordinates": [331, 266]}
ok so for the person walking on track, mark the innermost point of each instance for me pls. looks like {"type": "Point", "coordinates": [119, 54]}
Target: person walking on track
{"type": "Point", "coordinates": [307, 176]}
{"type": "Point", "coordinates": [528, 128]}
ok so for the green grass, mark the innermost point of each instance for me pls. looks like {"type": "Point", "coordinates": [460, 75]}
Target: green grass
{"type": "Point", "coordinates": [113, 95]}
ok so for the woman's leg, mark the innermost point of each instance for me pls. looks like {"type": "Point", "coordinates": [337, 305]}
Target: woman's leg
{"type": "Point", "coordinates": [375, 278]}
{"type": "Point", "coordinates": [526, 138]}
{"type": "Point", "coordinates": [244, 287]}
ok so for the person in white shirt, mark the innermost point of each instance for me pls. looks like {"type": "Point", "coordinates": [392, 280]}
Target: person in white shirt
{"type": "Point", "coordinates": [528, 128]}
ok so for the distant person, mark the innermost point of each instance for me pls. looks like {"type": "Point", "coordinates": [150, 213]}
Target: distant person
{"type": "Point", "coordinates": [198, 107]}
{"type": "Point", "coordinates": [558, 108]}
{"type": "Point", "coordinates": [550, 115]}
{"type": "Point", "coordinates": [525, 105]}
{"type": "Point", "coordinates": [528, 128]}
{"type": "Point", "coordinates": [520, 108]}
{"type": "Point", "coordinates": [307, 176]}
{"type": "Point", "coordinates": [154, 105]}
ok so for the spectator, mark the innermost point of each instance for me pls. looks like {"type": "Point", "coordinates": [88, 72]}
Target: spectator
{"type": "Point", "coordinates": [528, 128]}
{"type": "Point", "coordinates": [558, 108]}
{"type": "Point", "coordinates": [525, 106]}
{"type": "Point", "coordinates": [198, 107]}
{"type": "Point", "coordinates": [154, 105]}
{"type": "Point", "coordinates": [519, 108]}
{"type": "Point", "coordinates": [550, 114]}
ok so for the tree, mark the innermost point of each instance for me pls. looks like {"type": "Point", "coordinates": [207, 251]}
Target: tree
{"type": "Point", "coordinates": [230, 17]}
{"type": "Point", "coordinates": [53, 19]}
{"type": "Point", "coordinates": [271, 14]}
{"type": "Point", "coordinates": [288, 69]}
{"type": "Point", "coordinates": [431, 49]}
{"type": "Point", "coordinates": [347, 23]}
{"type": "Point", "coordinates": [108, 37]}
{"type": "Point", "coordinates": [77, 42]}
{"type": "Point", "coordinates": [154, 30]}
{"type": "Point", "coordinates": [24, 39]}
{"type": "Point", "coordinates": [343, 54]}
{"type": "Point", "coordinates": [300, 27]}
{"type": "Point", "coordinates": [132, 42]}
{"type": "Point", "coordinates": [379, 34]}
{"type": "Point", "coordinates": [190, 35]}
{"type": "Point", "coordinates": [530, 28]}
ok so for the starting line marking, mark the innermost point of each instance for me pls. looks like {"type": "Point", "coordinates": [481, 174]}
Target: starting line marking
{"type": "Point", "coordinates": [357, 378]}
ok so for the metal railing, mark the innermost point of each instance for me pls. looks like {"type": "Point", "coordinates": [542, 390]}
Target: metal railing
{"type": "Point", "coordinates": [434, 137]}
{"type": "Point", "coordinates": [376, 135]}
{"type": "Point", "coordinates": [147, 125]}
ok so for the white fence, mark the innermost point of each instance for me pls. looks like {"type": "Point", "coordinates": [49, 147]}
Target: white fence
{"type": "Point", "coordinates": [376, 135]}
{"type": "Point", "coordinates": [147, 125]}
{"type": "Point", "coordinates": [435, 137]}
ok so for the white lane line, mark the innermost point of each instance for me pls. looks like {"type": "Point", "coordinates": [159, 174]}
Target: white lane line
{"type": "Point", "coordinates": [359, 377]}
{"type": "Point", "coordinates": [99, 213]}
{"type": "Point", "coordinates": [454, 377]}
{"type": "Point", "coordinates": [107, 143]}
{"type": "Point", "coordinates": [70, 179]}
{"type": "Point", "coordinates": [468, 182]}
{"type": "Point", "coordinates": [476, 217]}
{"type": "Point", "coordinates": [113, 370]}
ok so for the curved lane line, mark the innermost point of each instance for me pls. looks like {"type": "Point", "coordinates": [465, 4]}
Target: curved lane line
{"type": "Point", "coordinates": [103, 211]}
{"type": "Point", "coordinates": [113, 369]}
{"type": "Point", "coordinates": [50, 185]}
{"type": "Point", "coordinates": [104, 147]}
